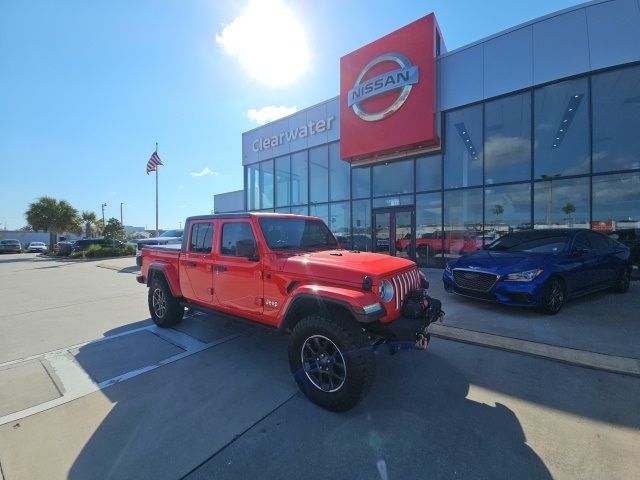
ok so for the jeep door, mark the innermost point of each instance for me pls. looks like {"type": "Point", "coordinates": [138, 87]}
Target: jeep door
{"type": "Point", "coordinates": [238, 269]}
{"type": "Point", "coordinates": [196, 263]}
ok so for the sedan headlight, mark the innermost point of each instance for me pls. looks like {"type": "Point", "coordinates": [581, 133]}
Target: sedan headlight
{"type": "Point", "coordinates": [447, 268]}
{"type": "Point", "coordinates": [385, 290]}
{"type": "Point", "coordinates": [523, 276]}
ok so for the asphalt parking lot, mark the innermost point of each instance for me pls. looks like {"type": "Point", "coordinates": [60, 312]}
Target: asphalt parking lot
{"type": "Point", "coordinates": [90, 388]}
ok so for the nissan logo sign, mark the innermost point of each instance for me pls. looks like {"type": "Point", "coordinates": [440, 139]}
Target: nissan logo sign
{"type": "Point", "coordinates": [402, 78]}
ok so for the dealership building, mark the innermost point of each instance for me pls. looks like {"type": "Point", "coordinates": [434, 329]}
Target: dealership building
{"type": "Point", "coordinates": [429, 154]}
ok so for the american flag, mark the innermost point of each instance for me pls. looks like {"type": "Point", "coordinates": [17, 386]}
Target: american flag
{"type": "Point", "coordinates": [153, 163]}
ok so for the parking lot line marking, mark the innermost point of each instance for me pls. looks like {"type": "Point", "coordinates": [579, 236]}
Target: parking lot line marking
{"type": "Point", "coordinates": [76, 383]}
{"type": "Point", "coordinates": [580, 358]}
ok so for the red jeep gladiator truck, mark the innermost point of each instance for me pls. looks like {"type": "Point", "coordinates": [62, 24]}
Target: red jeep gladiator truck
{"type": "Point", "coordinates": [288, 272]}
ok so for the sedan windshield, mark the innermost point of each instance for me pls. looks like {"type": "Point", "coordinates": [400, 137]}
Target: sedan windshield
{"type": "Point", "coordinates": [10, 242]}
{"type": "Point", "coordinates": [297, 233]}
{"type": "Point", "coordinates": [531, 241]}
{"type": "Point", "coordinates": [172, 233]}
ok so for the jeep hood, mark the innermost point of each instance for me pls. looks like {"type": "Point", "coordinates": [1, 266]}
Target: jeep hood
{"type": "Point", "coordinates": [345, 265]}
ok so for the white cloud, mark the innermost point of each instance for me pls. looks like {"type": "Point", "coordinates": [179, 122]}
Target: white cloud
{"type": "Point", "coordinates": [181, 187]}
{"type": "Point", "coordinates": [270, 113]}
{"type": "Point", "coordinates": [269, 42]}
{"type": "Point", "coordinates": [204, 172]}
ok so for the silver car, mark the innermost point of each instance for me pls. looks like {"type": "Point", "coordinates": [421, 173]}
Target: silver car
{"type": "Point", "coordinates": [10, 246]}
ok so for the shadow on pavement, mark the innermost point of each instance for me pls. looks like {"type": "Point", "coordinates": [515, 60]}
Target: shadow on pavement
{"type": "Point", "coordinates": [416, 423]}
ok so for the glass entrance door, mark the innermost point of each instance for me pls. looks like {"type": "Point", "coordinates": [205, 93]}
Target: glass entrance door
{"type": "Point", "coordinates": [394, 231]}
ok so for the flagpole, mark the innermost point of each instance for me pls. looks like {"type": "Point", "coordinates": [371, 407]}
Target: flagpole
{"type": "Point", "coordinates": [157, 168]}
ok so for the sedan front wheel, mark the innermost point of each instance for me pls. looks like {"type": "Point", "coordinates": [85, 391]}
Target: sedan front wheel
{"type": "Point", "coordinates": [553, 297]}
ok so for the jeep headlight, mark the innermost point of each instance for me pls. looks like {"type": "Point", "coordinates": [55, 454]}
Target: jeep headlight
{"type": "Point", "coordinates": [526, 276]}
{"type": "Point", "coordinates": [385, 290]}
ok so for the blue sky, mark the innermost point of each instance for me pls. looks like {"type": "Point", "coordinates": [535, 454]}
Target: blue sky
{"type": "Point", "coordinates": [87, 88]}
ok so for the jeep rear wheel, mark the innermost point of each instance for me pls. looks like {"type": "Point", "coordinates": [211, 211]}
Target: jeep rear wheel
{"type": "Point", "coordinates": [165, 309]}
{"type": "Point", "coordinates": [331, 361]}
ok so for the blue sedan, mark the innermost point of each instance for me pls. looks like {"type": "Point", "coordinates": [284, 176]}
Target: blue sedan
{"type": "Point", "coordinates": [541, 268]}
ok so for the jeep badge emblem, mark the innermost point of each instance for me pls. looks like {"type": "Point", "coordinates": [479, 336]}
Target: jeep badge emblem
{"type": "Point", "coordinates": [402, 78]}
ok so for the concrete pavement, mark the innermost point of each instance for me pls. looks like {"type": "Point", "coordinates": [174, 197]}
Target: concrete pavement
{"type": "Point", "coordinates": [232, 410]}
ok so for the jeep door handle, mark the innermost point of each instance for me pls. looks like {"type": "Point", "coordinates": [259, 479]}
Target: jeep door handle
{"type": "Point", "coordinates": [191, 264]}
{"type": "Point", "coordinates": [220, 268]}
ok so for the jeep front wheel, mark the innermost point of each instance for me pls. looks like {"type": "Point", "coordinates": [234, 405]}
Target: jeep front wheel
{"type": "Point", "coordinates": [332, 361]}
{"type": "Point", "coordinates": [165, 309]}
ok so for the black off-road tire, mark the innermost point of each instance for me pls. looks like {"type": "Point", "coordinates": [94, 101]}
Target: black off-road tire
{"type": "Point", "coordinates": [553, 297]}
{"type": "Point", "coordinates": [337, 388]}
{"type": "Point", "coordinates": [623, 281]}
{"type": "Point", "coordinates": [165, 309]}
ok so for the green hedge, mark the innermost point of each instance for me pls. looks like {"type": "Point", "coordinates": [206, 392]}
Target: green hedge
{"type": "Point", "coordinates": [98, 251]}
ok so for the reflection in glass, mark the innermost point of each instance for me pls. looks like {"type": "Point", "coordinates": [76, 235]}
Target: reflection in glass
{"type": "Point", "coordinates": [300, 210]}
{"type": "Point", "coordinates": [562, 203]}
{"type": "Point", "coordinates": [361, 225]}
{"type": "Point", "coordinates": [361, 182]}
{"type": "Point", "coordinates": [403, 234]}
{"type": "Point", "coordinates": [616, 202]}
{"type": "Point", "coordinates": [462, 221]}
{"type": "Point", "coordinates": [429, 173]}
{"type": "Point", "coordinates": [299, 178]}
{"type": "Point", "coordinates": [266, 184]}
{"type": "Point", "coordinates": [428, 226]}
{"type": "Point", "coordinates": [463, 149]}
{"type": "Point", "coordinates": [319, 165]}
{"type": "Point", "coordinates": [340, 174]}
{"type": "Point", "coordinates": [321, 211]}
{"type": "Point", "coordinates": [253, 187]}
{"type": "Point", "coordinates": [561, 142]}
{"type": "Point", "coordinates": [506, 209]}
{"type": "Point", "coordinates": [340, 222]}
{"type": "Point", "coordinates": [393, 201]}
{"type": "Point", "coordinates": [616, 118]}
{"type": "Point", "coordinates": [381, 233]}
{"type": "Point", "coordinates": [393, 178]}
{"type": "Point", "coordinates": [507, 141]}
{"type": "Point", "coordinates": [283, 177]}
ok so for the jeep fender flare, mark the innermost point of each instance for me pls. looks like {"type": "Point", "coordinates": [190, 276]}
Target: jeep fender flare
{"type": "Point", "coordinates": [328, 301]}
{"type": "Point", "coordinates": [169, 273]}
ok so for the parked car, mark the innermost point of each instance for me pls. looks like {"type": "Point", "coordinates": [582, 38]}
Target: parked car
{"type": "Point", "coordinates": [37, 247]}
{"type": "Point", "coordinates": [541, 268]}
{"type": "Point", "coordinates": [63, 248]}
{"type": "Point", "coordinates": [631, 238]}
{"type": "Point", "coordinates": [84, 244]}
{"type": "Point", "coordinates": [170, 237]}
{"type": "Point", "coordinates": [10, 246]}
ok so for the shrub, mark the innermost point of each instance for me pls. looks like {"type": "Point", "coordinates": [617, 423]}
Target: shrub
{"type": "Point", "coordinates": [99, 251]}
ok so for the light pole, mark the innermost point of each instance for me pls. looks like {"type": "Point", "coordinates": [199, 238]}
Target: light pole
{"type": "Point", "coordinates": [550, 179]}
{"type": "Point", "coordinates": [121, 222]}
{"type": "Point", "coordinates": [103, 205]}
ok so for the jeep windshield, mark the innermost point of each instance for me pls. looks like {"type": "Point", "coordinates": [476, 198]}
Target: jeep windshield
{"type": "Point", "coordinates": [297, 233]}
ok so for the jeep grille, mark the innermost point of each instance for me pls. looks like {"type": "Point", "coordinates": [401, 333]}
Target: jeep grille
{"type": "Point", "coordinates": [402, 284]}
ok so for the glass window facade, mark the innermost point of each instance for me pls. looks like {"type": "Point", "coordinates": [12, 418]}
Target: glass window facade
{"type": "Point", "coordinates": [562, 155]}
{"type": "Point", "coordinates": [507, 139]}
{"type": "Point", "coordinates": [561, 136]}
{"type": "Point", "coordinates": [616, 118]}
{"type": "Point", "coordinates": [463, 147]}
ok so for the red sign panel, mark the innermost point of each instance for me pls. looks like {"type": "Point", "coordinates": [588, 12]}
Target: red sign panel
{"type": "Point", "coordinates": [387, 93]}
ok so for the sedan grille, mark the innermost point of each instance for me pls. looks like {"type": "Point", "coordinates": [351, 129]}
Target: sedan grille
{"type": "Point", "coordinates": [402, 284]}
{"type": "Point", "coordinates": [472, 280]}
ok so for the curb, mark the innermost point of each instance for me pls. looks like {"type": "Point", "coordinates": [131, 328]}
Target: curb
{"type": "Point", "coordinates": [581, 358]}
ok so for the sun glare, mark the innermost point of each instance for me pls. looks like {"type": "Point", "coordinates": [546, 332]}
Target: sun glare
{"type": "Point", "coordinates": [269, 42]}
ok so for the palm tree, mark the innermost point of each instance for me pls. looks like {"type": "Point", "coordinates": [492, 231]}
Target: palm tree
{"type": "Point", "coordinates": [89, 219]}
{"type": "Point", "coordinates": [54, 216]}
